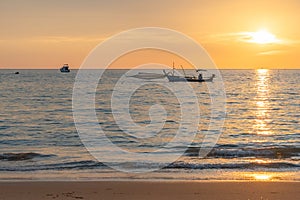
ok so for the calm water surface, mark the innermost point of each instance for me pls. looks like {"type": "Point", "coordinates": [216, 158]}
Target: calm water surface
{"type": "Point", "coordinates": [260, 139]}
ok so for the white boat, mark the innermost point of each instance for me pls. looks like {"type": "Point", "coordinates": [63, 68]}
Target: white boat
{"type": "Point", "coordinates": [65, 68]}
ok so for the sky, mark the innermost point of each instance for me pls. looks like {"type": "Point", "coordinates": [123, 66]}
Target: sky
{"type": "Point", "coordinates": [235, 33]}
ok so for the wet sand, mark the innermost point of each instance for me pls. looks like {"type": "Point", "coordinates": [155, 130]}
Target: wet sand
{"type": "Point", "coordinates": [159, 190]}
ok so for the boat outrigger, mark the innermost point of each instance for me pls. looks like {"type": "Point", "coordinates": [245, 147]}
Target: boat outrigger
{"type": "Point", "coordinates": [65, 68]}
{"type": "Point", "coordinates": [148, 76]}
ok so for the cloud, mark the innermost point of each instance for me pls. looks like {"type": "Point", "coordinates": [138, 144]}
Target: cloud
{"type": "Point", "coordinates": [67, 39]}
{"type": "Point", "coordinates": [53, 39]}
{"type": "Point", "coordinates": [272, 52]}
{"type": "Point", "coordinates": [259, 37]}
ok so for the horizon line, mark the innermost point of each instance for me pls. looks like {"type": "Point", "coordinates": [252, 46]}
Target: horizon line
{"type": "Point", "coordinates": [153, 69]}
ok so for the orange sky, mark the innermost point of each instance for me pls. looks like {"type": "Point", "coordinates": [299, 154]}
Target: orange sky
{"type": "Point", "coordinates": [46, 34]}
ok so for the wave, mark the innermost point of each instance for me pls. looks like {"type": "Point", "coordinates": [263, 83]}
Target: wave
{"type": "Point", "coordinates": [231, 152]}
{"type": "Point", "coordinates": [274, 165]}
{"type": "Point", "coordinates": [22, 156]}
{"type": "Point", "coordinates": [289, 157]}
{"type": "Point", "coordinates": [94, 165]}
{"type": "Point", "coordinates": [76, 165]}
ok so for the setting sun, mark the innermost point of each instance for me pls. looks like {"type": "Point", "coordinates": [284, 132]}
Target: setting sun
{"type": "Point", "coordinates": [263, 37]}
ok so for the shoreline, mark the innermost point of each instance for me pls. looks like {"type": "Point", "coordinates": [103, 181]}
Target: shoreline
{"type": "Point", "coordinates": [160, 176]}
{"type": "Point", "coordinates": [160, 190]}
{"type": "Point", "coordinates": [72, 180]}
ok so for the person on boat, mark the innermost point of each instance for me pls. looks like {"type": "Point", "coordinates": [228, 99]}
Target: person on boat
{"type": "Point", "coordinates": [200, 78]}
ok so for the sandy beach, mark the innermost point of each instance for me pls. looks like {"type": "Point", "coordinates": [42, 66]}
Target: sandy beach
{"type": "Point", "coordinates": [149, 190]}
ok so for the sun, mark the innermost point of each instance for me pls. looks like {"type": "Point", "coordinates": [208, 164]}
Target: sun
{"type": "Point", "coordinates": [262, 37]}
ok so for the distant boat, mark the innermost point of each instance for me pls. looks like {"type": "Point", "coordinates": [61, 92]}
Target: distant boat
{"type": "Point", "coordinates": [65, 68]}
{"type": "Point", "coordinates": [17, 73]}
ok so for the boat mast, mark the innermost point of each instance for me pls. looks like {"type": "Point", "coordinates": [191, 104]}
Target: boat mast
{"type": "Point", "coordinates": [173, 69]}
{"type": "Point", "coordinates": [183, 70]}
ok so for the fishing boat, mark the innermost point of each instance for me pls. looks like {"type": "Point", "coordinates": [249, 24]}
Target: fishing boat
{"type": "Point", "coordinates": [173, 77]}
{"type": "Point", "coordinates": [199, 78]}
{"type": "Point", "coordinates": [65, 68]}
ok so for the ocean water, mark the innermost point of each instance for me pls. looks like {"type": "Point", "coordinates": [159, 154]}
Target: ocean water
{"type": "Point", "coordinates": [260, 139]}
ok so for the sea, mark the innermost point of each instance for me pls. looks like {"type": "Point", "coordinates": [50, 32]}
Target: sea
{"type": "Point", "coordinates": [258, 137]}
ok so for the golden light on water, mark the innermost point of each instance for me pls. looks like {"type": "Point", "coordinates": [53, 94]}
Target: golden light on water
{"type": "Point", "coordinates": [262, 177]}
{"type": "Point", "coordinates": [265, 175]}
{"type": "Point", "coordinates": [260, 161]}
{"type": "Point", "coordinates": [262, 71]}
{"type": "Point", "coordinates": [261, 126]}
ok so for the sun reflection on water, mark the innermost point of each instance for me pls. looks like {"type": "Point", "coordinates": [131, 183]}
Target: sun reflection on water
{"type": "Point", "coordinates": [262, 177]}
{"type": "Point", "coordinates": [261, 161]}
{"type": "Point", "coordinates": [261, 126]}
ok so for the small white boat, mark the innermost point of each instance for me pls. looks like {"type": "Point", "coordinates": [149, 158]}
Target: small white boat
{"type": "Point", "coordinates": [65, 68]}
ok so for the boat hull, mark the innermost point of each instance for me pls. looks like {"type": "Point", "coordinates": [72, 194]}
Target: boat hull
{"type": "Point", "coordinates": [64, 71]}
{"type": "Point", "coordinates": [202, 80]}
{"type": "Point", "coordinates": [173, 78]}
{"type": "Point", "coordinates": [188, 79]}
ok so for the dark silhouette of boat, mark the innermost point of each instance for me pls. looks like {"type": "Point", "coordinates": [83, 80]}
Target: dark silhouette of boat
{"type": "Point", "coordinates": [194, 79]}
{"type": "Point", "coordinates": [174, 78]}
{"type": "Point", "coordinates": [65, 68]}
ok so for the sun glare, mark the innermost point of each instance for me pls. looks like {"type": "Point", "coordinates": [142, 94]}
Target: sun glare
{"type": "Point", "coordinates": [263, 37]}
{"type": "Point", "coordinates": [262, 177]}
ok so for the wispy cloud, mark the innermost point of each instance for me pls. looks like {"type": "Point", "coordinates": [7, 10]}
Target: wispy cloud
{"type": "Point", "coordinates": [272, 52]}
{"type": "Point", "coordinates": [259, 37]}
{"type": "Point", "coordinates": [67, 39]}
{"type": "Point", "coordinates": [55, 39]}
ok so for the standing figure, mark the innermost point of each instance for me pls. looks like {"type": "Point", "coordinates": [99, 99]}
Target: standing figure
{"type": "Point", "coordinates": [200, 77]}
